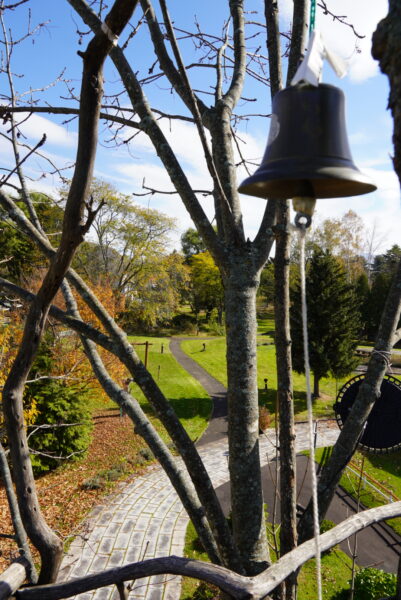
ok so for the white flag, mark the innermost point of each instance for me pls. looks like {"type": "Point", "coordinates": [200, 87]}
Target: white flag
{"type": "Point", "coordinates": [310, 69]}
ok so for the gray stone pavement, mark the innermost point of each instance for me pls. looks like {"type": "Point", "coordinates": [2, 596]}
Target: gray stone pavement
{"type": "Point", "coordinates": [144, 518]}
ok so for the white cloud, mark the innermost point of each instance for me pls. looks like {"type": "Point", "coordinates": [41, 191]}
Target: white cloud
{"type": "Point", "coordinates": [184, 140]}
{"type": "Point", "coordinates": [182, 137]}
{"type": "Point", "coordinates": [359, 137]}
{"type": "Point", "coordinates": [380, 209]}
{"type": "Point", "coordinates": [364, 16]}
{"type": "Point", "coordinates": [36, 126]}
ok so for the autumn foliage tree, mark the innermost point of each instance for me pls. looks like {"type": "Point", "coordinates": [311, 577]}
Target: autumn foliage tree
{"type": "Point", "coordinates": [205, 287]}
{"type": "Point", "coordinates": [60, 386]}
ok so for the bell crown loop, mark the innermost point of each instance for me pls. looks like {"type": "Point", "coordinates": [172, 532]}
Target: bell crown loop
{"type": "Point", "coordinates": [307, 153]}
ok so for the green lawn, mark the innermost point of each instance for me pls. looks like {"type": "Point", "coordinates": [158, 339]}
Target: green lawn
{"type": "Point", "coordinates": [266, 326]}
{"type": "Point", "coordinates": [213, 359]}
{"type": "Point", "coordinates": [336, 572]}
{"type": "Point", "coordinates": [384, 468]}
{"type": "Point", "coordinates": [188, 398]}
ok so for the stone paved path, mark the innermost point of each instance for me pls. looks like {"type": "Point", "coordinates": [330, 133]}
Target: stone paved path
{"type": "Point", "coordinates": [145, 519]}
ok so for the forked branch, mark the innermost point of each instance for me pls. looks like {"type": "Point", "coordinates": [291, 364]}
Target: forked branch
{"type": "Point", "coordinates": [236, 586]}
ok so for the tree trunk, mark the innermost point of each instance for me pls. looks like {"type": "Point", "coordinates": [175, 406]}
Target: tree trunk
{"type": "Point", "coordinates": [316, 390]}
{"type": "Point", "coordinates": [288, 530]}
{"type": "Point", "coordinates": [369, 391]}
{"type": "Point", "coordinates": [243, 419]}
{"type": "Point", "coordinates": [19, 531]}
{"type": "Point", "coordinates": [45, 540]}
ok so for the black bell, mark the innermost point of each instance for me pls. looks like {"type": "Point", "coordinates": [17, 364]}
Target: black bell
{"type": "Point", "coordinates": [307, 151]}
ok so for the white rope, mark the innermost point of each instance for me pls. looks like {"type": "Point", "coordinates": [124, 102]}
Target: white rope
{"type": "Point", "coordinates": [316, 526]}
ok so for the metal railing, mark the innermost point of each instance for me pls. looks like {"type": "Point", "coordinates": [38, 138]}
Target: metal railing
{"type": "Point", "coordinates": [367, 481]}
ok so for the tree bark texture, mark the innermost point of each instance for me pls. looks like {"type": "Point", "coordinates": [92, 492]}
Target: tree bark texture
{"type": "Point", "coordinates": [288, 489]}
{"type": "Point", "coordinates": [299, 36]}
{"type": "Point", "coordinates": [19, 531]}
{"type": "Point", "coordinates": [13, 577]}
{"type": "Point", "coordinates": [44, 539]}
{"type": "Point", "coordinates": [243, 417]}
{"type": "Point", "coordinates": [273, 46]}
{"type": "Point", "coordinates": [386, 48]}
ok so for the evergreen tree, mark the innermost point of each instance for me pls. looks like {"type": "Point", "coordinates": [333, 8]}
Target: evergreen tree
{"type": "Point", "coordinates": [387, 263]}
{"type": "Point", "coordinates": [333, 320]}
{"type": "Point", "coordinates": [383, 270]}
{"type": "Point", "coordinates": [362, 293]}
{"type": "Point", "coordinates": [375, 303]}
{"type": "Point", "coordinates": [61, 403]}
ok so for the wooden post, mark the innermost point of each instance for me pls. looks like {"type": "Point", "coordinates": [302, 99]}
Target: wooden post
{"type": "Point", "coordinates": [146, 354]}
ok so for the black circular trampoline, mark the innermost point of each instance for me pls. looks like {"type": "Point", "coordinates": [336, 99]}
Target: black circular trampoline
{"type": "Point", "coordinates": [382, 431]}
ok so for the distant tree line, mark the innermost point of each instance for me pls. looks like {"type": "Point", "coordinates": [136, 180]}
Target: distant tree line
{"type": "Point", "coordinates": [347, 285]}
{"type": "Point", "coordinates": [146, 286]}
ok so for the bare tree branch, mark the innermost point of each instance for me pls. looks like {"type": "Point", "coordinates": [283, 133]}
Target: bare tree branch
{"type": "Point", "coordinates": [236, 586]}
{"type": "Point", "coordinates": [144, 428]}
{"type": "Point", "coordinates": [221, 198]}
{"type": "Point", "coordinates": [233, 94]}
{"type": "Point", "coordinates": [4, 180]}
{"type": "Point", "coordinates": [169, 70]}
{"type": "Point", "coordinates": [43, 537]}
{"type": "Point", "coordinates": [160, 142]}
{"type": "Point", "coordinates": [273, 46]}
{"type": "Point", "coordinates": [69, 110]}
{"type": "Point", "coordinates": [20, 533]}
{"type": "Point", "coordinates": [299, 36]}
{"type": "Point", "coordinates": [340, 18]}
{"type": "Point", "coordinates": [128, 356]}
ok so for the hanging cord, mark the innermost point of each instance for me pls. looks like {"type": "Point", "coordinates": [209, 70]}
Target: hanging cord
{"type": "Point", "coordinates": [316, 527]}
{"type": "Point", "coordinates": [312, 16]}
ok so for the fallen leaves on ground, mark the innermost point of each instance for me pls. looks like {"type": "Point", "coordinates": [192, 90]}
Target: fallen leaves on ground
{"type": "Point", "coordinates": [63, 495]}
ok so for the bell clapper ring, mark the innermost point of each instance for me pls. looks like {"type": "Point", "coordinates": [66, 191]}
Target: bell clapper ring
{"type": "Point", "coordinates": [304, 207]}
{"type": "Point", "coordinates": [302, 220]}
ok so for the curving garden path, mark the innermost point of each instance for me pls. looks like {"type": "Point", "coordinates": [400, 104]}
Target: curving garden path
{"type": "Point", "coordinates": [144, 518]}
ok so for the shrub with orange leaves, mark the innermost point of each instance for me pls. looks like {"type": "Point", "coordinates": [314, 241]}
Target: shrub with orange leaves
{"type": "Point", "coordinates": [69, 359]}
{"type": "Point", "coordinates": [113, 302]}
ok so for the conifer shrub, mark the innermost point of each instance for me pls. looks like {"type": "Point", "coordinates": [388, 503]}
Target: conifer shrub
{"type": "Point", "coordinates": [62, 426]}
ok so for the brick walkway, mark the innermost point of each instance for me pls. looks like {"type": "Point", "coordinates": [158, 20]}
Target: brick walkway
{"type": "Point", "coordinates": [145, 519]}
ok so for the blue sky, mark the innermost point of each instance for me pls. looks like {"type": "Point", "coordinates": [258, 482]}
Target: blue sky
{"type": "Point", "coordinates": [369, 125]}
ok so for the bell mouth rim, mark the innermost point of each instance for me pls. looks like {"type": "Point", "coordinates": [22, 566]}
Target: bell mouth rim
{"type": "Point", "coordinates": [326, 182]}
{"type": "Point", "coordinates": [309, 87]}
